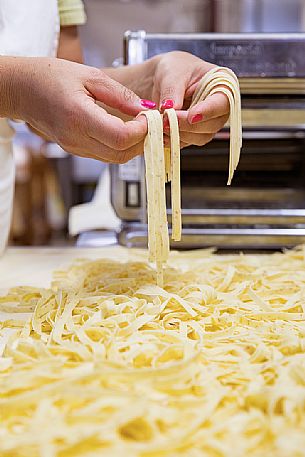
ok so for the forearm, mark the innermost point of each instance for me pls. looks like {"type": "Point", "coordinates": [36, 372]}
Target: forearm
{"type": "Point", "coordinates": [9, 101]}
{"type": "Point", "coordinates": [69, 47]}
{"type": "Point", "coordinates": [137, 77]}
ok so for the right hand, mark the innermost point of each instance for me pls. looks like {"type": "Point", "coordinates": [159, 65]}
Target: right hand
{"type": "Point", "coordinates": [58, 99]}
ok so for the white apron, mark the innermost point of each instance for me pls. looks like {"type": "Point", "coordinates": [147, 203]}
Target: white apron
{"type": "Point", "coordinates": [27, 28]}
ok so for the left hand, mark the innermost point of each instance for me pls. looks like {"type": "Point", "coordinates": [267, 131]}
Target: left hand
{"type": "Point", "coordinates": [175, 79]}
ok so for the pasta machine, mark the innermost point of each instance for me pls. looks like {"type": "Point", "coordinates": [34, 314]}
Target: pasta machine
{"type": "Point", "coordinates": [265, 205]}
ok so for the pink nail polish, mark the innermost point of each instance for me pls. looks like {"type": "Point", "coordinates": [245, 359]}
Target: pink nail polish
{"type": "Point", "coordinates": [148, 104]}
{"type": "Point", "coordinates": [196, 118]}
{"type": "Point", "coordinates": [166, 104]}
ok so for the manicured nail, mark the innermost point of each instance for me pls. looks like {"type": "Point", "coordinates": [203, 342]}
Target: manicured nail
{"type": "Point", "coordinates": [166, 104]}
{"type": "Point", "coordinates": [196, 118]}
{"type": "Point", "coordinates": [148, 104]}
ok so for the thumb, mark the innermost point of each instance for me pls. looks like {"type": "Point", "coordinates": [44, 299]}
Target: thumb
{"type": "Point", "coordinates": [113, 94]}
{"type": "Point", "coordinates": [171, 92]}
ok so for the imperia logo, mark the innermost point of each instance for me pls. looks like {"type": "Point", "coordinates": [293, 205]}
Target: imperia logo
{"type": "Point", "coordinates": [233, 50]}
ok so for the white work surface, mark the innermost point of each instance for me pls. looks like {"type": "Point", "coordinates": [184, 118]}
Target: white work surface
{"type": "Point", "coordinates": [34, 266]}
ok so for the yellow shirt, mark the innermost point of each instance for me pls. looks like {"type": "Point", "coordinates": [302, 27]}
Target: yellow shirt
{"type": "Point", "coordinates": [71, 12]}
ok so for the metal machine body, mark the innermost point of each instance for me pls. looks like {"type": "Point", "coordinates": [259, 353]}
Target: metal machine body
{"type": "Point", "coordinates": [265, 205]}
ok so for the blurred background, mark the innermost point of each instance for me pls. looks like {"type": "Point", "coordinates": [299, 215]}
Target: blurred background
{"type": "Point", "coordinates": [49, 181]}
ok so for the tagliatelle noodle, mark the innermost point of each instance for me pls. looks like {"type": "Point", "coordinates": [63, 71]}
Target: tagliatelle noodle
{"type": "Point", "coordinates": [107, 363]}
{"type": "Point", "coordinates": [158, 242]}
{"type": "Point", "coordinates": [219, 79]}
{"type": "Point", "coordinates": [175, 173]}
{"type": "Point", "coordinates": [222, 79]}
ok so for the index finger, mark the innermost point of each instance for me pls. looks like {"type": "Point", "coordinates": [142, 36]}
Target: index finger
{"type": "Point", "coordinates": [204, 126]}
{"type": "Point", "coordinates": [113, 132]}
{"type": "Point", "coordinates": [213, 106]}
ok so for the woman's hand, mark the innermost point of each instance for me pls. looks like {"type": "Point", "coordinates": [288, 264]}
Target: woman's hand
{"type": "Point", "coordinates": [58, 99]}
{"type": "Point", "coordinates": [170, 81]}
{"type": "Point", "coordinates": [175, 80]}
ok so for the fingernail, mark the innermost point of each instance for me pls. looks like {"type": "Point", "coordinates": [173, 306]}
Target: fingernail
{"type": "Point", "coordinates": [148, 104]}
{"type": "Point", "coordinates": [196, 118]}
{"type": "Point", "coordinates": [166, 104]}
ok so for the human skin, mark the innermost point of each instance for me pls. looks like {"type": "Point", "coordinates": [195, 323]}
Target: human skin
{"type": "Point", "coordinates": [170, 87]}
{"type": "Point", "coordinates": [69, 45]}
{"type": "Point", "coordinates": [170, 80]}
{"type": "Point", "coordinates": [74, 105]}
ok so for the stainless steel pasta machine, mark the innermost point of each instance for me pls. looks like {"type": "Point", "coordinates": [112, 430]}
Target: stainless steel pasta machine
{"type": "Point", "coordinates": [265, 205]}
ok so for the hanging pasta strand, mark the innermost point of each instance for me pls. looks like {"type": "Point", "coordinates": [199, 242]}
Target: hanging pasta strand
{"type": "Point", "coordinates": [163, 164]}
{"type": "Point", "coordinates": [224, 80]}
{"type": "Point", "coordinates": [150, 189]}
{"type": "Point", "coordinates": [175, 174]}
{"type": "Point", "coordinates": [158, 242]}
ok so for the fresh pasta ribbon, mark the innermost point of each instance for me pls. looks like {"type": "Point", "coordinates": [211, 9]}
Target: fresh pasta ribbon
{"type": "Point", "coordinates": [158, 242]}
{"type": "Point", "coordinates": [224, 80]}
{"type": "Point", "coordinates": [175, 173]}
{"type": "Point", "coordinates": [163, 164]}
{"type": "Point", "coordinates": [104, 362]}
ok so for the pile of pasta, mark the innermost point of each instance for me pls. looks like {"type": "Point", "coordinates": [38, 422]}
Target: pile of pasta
{"type": "Point", "coordinates": [163, 164]}
{"type": "Point", "coordinates": [104, 362]}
